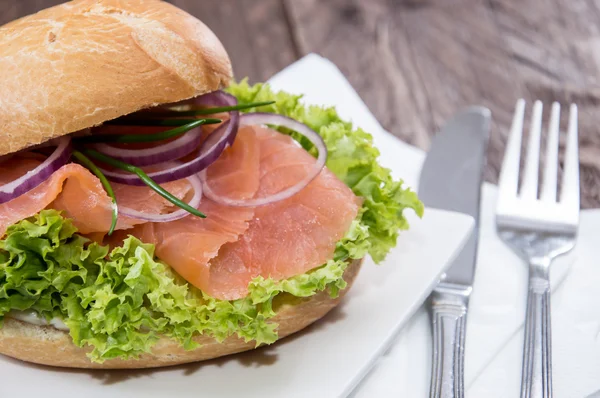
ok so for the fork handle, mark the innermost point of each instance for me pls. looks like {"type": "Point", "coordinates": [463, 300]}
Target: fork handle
{"type": "Point", "coordinates": [536, 379]}
{"type": "Point", "coordinates": [449, 316]}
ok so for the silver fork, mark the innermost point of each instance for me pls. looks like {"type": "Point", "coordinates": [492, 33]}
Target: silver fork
{"type": "Point", "coordinates": [539, 229]}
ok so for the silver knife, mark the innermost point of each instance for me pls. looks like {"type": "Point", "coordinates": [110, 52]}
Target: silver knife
{"type": "Point", "coordinates": [451, 179]}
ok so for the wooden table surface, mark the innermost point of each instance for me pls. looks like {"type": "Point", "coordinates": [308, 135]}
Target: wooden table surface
{"type": "Point", "coordinates": [417, 62]}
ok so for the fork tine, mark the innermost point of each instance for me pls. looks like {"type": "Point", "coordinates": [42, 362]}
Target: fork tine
{"type": "Point", "coordinates": [509, 174]}
{"type": "Point", "coordinates": [529, 188]}
{"type": "Point", "coordinates": [570, 181]}
{"type": "Point", "coordinates": [550, 171]}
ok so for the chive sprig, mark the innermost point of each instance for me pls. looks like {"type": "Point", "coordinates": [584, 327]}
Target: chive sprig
{"type": "Point", "coordinates": [215, 110]}
{"type": "Point", "coordinates": [138, 138]}
{"type": "Point", "coordinates": [105, 183]}
{"type": "Point", "coordinates": [145, 178]}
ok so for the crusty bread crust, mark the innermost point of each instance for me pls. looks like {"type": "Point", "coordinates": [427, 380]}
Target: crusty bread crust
{"type": "Point", "coordinates": [49, 346]}
{"type": "Point", "coordinates": [84, 62]}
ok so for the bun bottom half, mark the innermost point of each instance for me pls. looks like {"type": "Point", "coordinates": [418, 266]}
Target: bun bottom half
{"type": "Point", "coordinates": [46, 345]}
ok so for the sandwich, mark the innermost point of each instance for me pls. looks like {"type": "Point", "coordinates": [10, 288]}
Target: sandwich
{"type": "Point", "coordinates": [155, 211]}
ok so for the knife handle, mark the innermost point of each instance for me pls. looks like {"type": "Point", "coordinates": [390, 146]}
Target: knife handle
{"type": "Point", "coordinates": [449, 316]}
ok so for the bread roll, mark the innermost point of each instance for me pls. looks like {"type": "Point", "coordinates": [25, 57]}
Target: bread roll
{"type": "Point", "coordinates": [84, 62]}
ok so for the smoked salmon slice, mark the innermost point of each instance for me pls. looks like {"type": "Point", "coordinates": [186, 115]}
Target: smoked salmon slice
{"type": "Point", "coordinates": [289, 237]}
{"type": "Point", "coordinates": [222, 253]}
{"type": "Point", "coordinates": [76, 192]}
{"type": "Point", "coordinates": [188, 245]}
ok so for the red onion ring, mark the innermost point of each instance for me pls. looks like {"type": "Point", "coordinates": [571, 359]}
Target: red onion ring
{"type": "Point", "coordinates": [38, 175]}
{"type": "Point", "coordinates": [277, 120]}
{"type": "Point", "coordinates": [209, 151]}
{"type": "Point", "coordinates": [178, 148]}
{"type": "Point", "coordinates": [176, 215]}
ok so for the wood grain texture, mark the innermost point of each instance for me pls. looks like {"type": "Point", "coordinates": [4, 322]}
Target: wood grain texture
{"type": "Point", "coordinates": [255, 33]}
{"type": "Point", "coordinates": [417, 62]}
{"type": "Point", "coordinates": [13, 9]}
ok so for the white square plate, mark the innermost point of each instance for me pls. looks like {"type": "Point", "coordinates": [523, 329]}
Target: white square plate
{"type": "Point", "coordinates": [326, 360]}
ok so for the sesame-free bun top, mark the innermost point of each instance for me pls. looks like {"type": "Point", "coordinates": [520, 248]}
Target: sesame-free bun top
{"type": "Point", "coordinates": [84, 62]}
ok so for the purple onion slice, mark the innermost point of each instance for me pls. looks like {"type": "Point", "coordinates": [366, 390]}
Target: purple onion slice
{"type": "Point", "coordinates": [38, 175]}
{"type": "Point", "coordinates": [178, 148]}
{"type": "Point", "coordinates": [277, 120]}
{"type": "Point", "coordinates": [207, 154]}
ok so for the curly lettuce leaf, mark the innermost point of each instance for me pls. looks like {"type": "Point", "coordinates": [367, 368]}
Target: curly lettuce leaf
{"type": "Point", "coordinates": [121, 302]}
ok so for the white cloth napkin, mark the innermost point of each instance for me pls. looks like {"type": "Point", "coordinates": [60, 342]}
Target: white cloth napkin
{"type": "Point", "coordinates": [575, 330]}
{"type": "Point", "coordinates": [497, 305]}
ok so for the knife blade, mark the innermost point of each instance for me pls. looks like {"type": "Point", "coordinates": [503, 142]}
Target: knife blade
{"type": "Point", "coordinates": [451, 179]}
